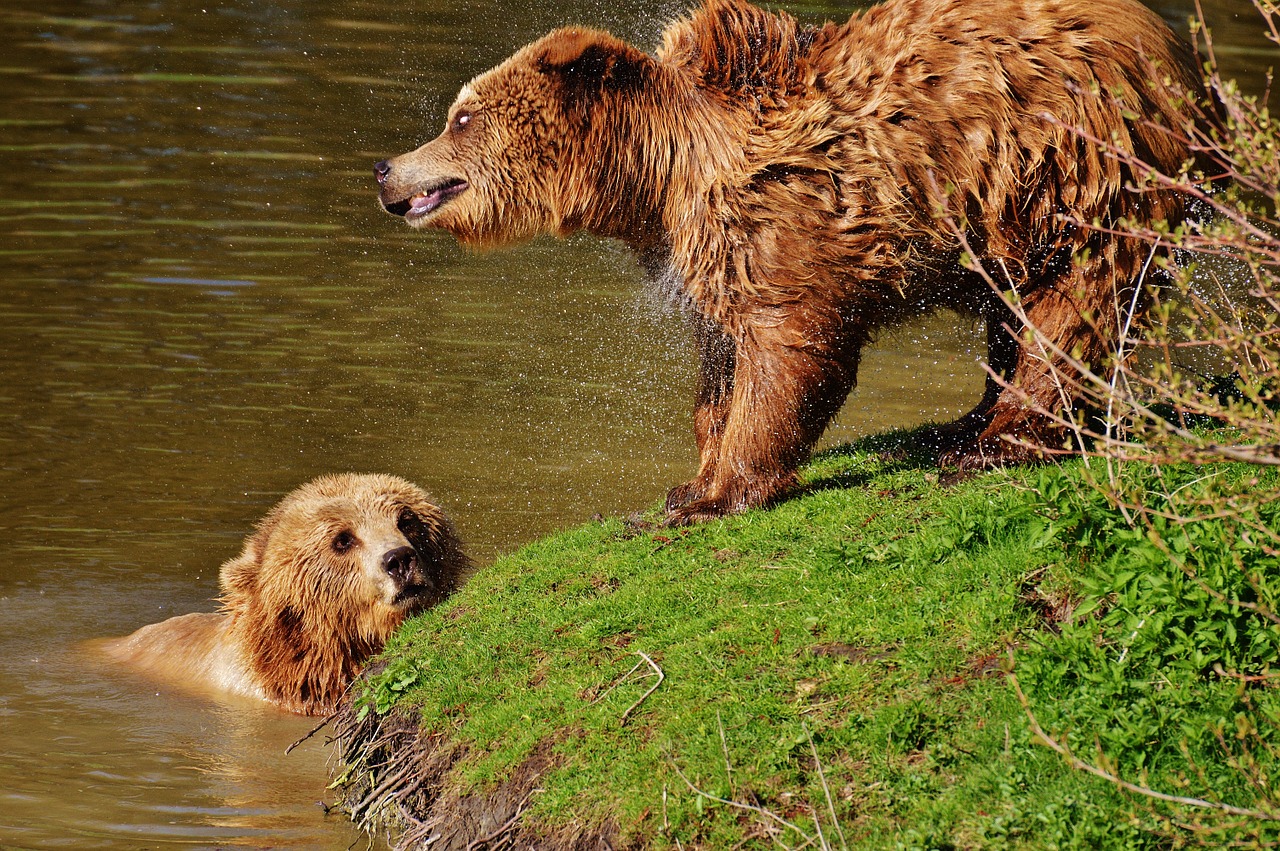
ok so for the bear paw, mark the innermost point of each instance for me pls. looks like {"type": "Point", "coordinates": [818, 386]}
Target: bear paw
{"type": "Point", "coordinates": [990, 453]}
{"type": "Point", "coordinates": [698, 511]}
{"type": "Point", "coordinates": [737, 496]}
{"type": "Point", "coordinates": [682, 495]}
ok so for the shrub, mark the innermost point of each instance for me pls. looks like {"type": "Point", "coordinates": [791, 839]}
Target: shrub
{"type": "Point", "coordinates": [1165, 682]}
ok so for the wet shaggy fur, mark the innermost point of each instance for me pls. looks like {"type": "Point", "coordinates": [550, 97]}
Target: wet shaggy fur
{"type": "Point", "coordinates": [789, 178]}
{"type": "Point", "coordinates": [329, 574]}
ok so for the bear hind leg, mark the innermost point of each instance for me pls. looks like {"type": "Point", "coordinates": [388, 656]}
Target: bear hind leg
{"type": "Point", "coordinates": [1077, 311]}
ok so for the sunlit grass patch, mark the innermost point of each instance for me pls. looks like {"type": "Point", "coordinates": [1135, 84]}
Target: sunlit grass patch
{"type": "Point", "coordinates": [832, 672]}
{"type": "Point", "coordinates": [862, 621]}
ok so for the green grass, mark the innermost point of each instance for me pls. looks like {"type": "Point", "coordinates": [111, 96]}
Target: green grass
{"type": "Point", "coordinates": [865, 622]}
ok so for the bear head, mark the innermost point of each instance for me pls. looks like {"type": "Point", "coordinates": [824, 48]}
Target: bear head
{"type": "Point", "coordinates": [522, 147]}
{"type": "Point", "coordinates": [329, 574]}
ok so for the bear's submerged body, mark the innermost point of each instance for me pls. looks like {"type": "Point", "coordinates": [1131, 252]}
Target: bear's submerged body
{"type": "Point", "coordinates": [809, 186]}
{"type": "Point", "coordinates": [192, 649]}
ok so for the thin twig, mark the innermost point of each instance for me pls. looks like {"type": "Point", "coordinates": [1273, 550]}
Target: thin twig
{"type": "Point", "coordinates": [507, 825]}
{"type": "Point", "coordinates": [817, 823]}
{"type": "Point", "coordinates": [724, 746]}
{"type": "Point", "coordinates": [314, 730]}
{"type": "Point", "coordinates": [378, 791]}
{"type": "Point", "coordinates": [622, 722]}
{"type": "Point", "coordinates": [1265, 679]}
{"type": "Point", "coordinates": [748, 807]}
{"type": "Point", "coordinates": [618, 682]}
{"type": "Point", "coordinates": [826, 790]}
{"type": "Point", "coordinates": [1079, 764]}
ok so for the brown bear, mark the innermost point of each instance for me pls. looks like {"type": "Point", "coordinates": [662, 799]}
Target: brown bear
{"type": "Point", "coordinates": [325, 579]}
{"type": "Point", "coordinates": [787, 181]}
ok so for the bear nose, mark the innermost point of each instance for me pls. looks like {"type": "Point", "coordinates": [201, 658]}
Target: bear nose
{"type": "Point", "coordinates": [400, 563]}
{"type": "Point", "coordinates": [380, 170]}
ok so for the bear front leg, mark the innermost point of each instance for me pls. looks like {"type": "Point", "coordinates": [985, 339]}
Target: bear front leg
{"type": "Point", "coordinates": [783, 398]}
{"type": "Point", "coordinates": [716, 351]}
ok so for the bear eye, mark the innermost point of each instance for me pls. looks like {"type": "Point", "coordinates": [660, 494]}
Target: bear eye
{"type": "Point", "coordinates": [409, 523]}
{"type": "Point", "coordinates": [414, 528]}
{"type": "Point", "coordinates": [343, 541]}
{"type": "Point", "coordinates": [461, 120]}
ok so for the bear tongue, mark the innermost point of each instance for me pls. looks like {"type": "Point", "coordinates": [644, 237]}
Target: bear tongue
{"type": "Point", "coordinates": [428, 200]}
{"type": "Point", "coordinates": [425, 202]}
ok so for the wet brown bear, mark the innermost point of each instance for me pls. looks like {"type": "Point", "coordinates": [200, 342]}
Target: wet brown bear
{"type": "Point", "coordinates": [786, 179]}
{"type": "Point", "coordinates": [330, 572]}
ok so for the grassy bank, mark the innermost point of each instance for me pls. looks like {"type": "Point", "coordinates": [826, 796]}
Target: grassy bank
{"type": "Point", "coordinates": [834, 672]}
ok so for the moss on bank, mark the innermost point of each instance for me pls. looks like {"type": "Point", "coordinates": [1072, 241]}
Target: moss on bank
{"type": "Point", "coordinates": [825, 672]}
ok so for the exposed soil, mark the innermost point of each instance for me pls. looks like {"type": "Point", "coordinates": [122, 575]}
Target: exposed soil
{"type": "Point", "coordinates": [401, 781]}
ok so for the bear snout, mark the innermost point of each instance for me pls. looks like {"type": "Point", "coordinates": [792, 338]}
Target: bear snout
{"type": "Point", "coordinates": [396, 207]}
{"type": "Point", "coordinates": [382, 171]}
{"type": "Point", "coordinates": [414, 190]}
{"type": "Point", "coordinates": [401, 564]}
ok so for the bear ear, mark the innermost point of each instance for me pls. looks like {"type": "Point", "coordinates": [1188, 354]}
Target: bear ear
{"type": "Point", "coordinates": [239, 576]}
{"type": "Point", "coordinates": [592, 61]}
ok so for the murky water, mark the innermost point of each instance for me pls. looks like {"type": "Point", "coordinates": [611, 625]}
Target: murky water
{"type": "Point", "coordinates": [202, 307]}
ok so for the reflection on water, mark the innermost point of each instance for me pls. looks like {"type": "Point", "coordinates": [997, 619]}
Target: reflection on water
{"type": "Point", "coordinates": [202, 308]}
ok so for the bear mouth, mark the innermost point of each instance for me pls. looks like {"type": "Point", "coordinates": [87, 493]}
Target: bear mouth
{"type": "Point", "coordinates": [413, 597]}
{"type": "Point", "coordinates": [427, 201]}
